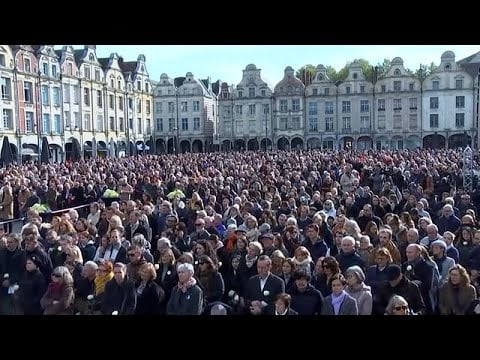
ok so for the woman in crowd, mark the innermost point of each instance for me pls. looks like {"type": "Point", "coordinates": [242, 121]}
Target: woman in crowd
{"type": "Point", "coordinates": [150, 295]}
{"type": "Point", "coordinates": [187, 297]}
{"type": "Point", "coordinates": [166, 272]}
{"type": "Point", "coordinates": [277, 262]}
{"type": "Point", "coordinates": [339, 302]}
{"type": "Point", "coordinates": [357, 289]}
{"type": "Point", "coordinates": [74, 262]}
{"type": "Point", "coordinates": [59, 297]}
{"type": "Point", "coordinates": [457, 293]}
{"type": "Point", "coordinates": [398, 306]}
{"type": "Point", "coordinates": [31, 287]}
{"type": "Point", "coordinates": [330, 267]}
{"type": "Point", "coordinates": [303, 260]}
{"type": "Point", "coordinates": [211, 280]}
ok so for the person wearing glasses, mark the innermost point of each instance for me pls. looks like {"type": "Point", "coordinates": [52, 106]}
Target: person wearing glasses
{"type": "Point", "coordinates": [136, 260]}
{"type": "Point", "coordinates": [210, 279]}
{"type": "Point", "coordinates": [323, 281]}
{"type": "Point", "coordinates": [199, 233]}
{"type": "Point", "coordinates": [59, 297]}
{"type": "Point", "coordinates": [120, 296]}
{"type": "Point", "coordinates": [398, 306]}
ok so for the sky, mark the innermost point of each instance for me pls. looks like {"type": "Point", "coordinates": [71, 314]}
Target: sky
{"type": "Point", "coordinates": [226, 62]}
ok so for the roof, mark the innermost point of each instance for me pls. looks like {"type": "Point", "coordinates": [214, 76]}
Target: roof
{"type": "Point", "coordinates": [475, 58]}
{"type": "Point", "coordinates": [36, 47]}
{"type": "Point", "coordinates": [104, 62]}
{"type": "Point", "coordinates": [216, 87]}
{"type": "Point", "coordinates": [59, 53]}
{"type": "Point", "coordinates": [127, 66]}
{"type": "Point", "coordinates": [178, 81]}
{"type": "Point", "coordinates": [78, 54]}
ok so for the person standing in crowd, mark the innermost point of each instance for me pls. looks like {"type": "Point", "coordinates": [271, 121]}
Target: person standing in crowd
{"type": "Point", "coordinates": [186, 297]}
{"type": "Point", "coordinates": [305, 299]}
{"type": "Point", "coordinates": [31, 288]}
{"type": "Point", "coordinates": [59, 297]}
{"type": "Point", "coordinates": [339, 302]}
{"type": "Point", "coordinates": [456, 294]}
{"type": "Point", "coordinates": [150, 295]}
{"type": "Point", "coordinates": [120, 297]}
{"type": "Point", "coordinates": [357, 289]}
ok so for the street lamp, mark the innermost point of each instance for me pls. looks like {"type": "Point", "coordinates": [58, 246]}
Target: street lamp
{"type": "Point", "coordinates": [266, 132]}
{"type": "Point", "coordinates": [175, 139]}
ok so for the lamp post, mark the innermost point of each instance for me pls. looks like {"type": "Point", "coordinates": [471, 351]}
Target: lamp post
{"type": "Point", "coordinates": [266, 132]}
{"type": "Point", "coordinates": [175, 129]}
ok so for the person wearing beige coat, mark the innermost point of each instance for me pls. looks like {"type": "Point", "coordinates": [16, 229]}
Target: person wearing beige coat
{"type": "Point", "coordinates": [457, 293]}
{"type": "Point", "coordinates": [6, 206]}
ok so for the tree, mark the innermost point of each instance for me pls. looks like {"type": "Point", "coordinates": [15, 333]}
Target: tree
{"type": "Point", "coordinates": [366, 69]}
{"type": "Point", "coordinates": [382, 68]}
{"type": "Point", "coordinates": [306, 73]}
{"type": "Point", "coordinates": [335, 76]}
{"type": "Point", "coordinates": [424, 70]}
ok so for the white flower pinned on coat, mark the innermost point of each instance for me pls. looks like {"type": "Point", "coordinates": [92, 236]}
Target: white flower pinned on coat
{"type": "Point", "coordinates": [196, 262]}
{"type": "Point", "coordinates": [266, 293]}
{"type": "Point", "coordinates": [409, 268]}
{"type": "Point", "coordinates": [465, 243]}
{"type": "Point", "coordinates": [219, 264]}
{"type": "Point", "coordinates": [59, 248]}
{"type": "Point", "coordinates": [157, 266]}
{"type": "Point", "coordinates": [231, 293]}
{"type": "Point", "coordinates": [16, 287]}
{"type": "Point", "coordinates": [78, 313]}
{"type": "Point", "coordinates": [169, 272]}
{"type": "Point", "coordinates": [55, 302]}
{"type": "Point", "coordinates": [115, 312]}
{"type": "Point", "coordinates": [6, 276]}
{"type": "Point", "coordinates": [90, 297]}
{"type": "Point", "coordinates": [236, 299]}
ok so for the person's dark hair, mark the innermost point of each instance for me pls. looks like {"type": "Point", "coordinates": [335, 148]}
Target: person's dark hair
{"type": "Point", "coordinates": [332, 264]}
{"type": "Point", "coordinates": [301, 274]}
{"type": "Point", "coordinates": [338, 277]}
{"type": "Point", "coordinates": [285, 298]}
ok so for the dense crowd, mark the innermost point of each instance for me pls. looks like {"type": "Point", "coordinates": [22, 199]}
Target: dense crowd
{"type": "Point", "coordinates": [244, 233]}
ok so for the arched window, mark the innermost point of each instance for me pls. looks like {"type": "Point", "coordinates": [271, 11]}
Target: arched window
{"type": "Point", "coordinates": [397, 72]}
{"type": "Point", "coordinates": [320, 77]}
{"type": "Point", "coordinates": [448, 66]}
{"type": "Point", "coordinates": [355, 75]}
{"type": "Point", "coordinates": [91, 57]}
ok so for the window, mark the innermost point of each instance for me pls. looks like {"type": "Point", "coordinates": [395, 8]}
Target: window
{"type": "Point", "coordinates": [251, 92]}
{"type": "Point", "coordinates": [120, 103]}
{"type": "Point", "coordinates": [139, 85]}
{"type": "Point", "coordinates": [196, 124]}
{"type": "Point", "coordinates": [213, 109]}
{"type": "Point", "coordinates": [460, 102]}
{"type": "Point", "coordinates": [196, 106]}
{"type": "Point", "coordinates": [283, 123]}
{"type": "Point", "coordinates": [70, 69]}
{"type": "Point", "coordinates": [459, 120]}
{"type": "Point", "coordinates": [240, 94]}
{"type": "Point", "coordinates": [171, 124]}
{"type": "Point", "coordinates": [264, 93]}
{"type": "Point", "coordinates": [56, 96]}
{"type": "Point", "coordinates": [239, 127]}
{"type": "Point", "coordinates": [252, 126]}
{"type": "Point", "coordinates": [434, 120]}
{"type": "Point", "coordinates": [111, 123]}
{"type": "Point", "coordinates": [66, 93]}
{"type": "Point", "coordinates": [328, 107]}
{"type": "Point", "coordinates": [355, 75]}
{"type": "Point", "coordinates": [119, 84]}
{"type": "Point", "coordinates": [397, 86]}
{"type": "Point", "coordinates": [383, 88]}
{"type": "Point", "coordinates": [347, 89]}
{"type": "Point", "coordinates": [459, 84]}
{"type": "Point", "coordinates": [147, 106]}
{"type": "Point", "coordinates": [139, 105]}
{"type": "Point", "coordinates": [76, 94]}
{"type": "Point", "coordinates": [45, 69]}
{"type": "Point", "coordinates": [238, 109]}
{"type": "Point", "coordinates": [413, 123]}
{"type": "Point", "coordinates": [346, 124]}
{"type": "Point", "coordinates": [100, 122]}
{"type": "Point", "coordinates": [130, 124]}
{"type": "Point", "coordinates": [66, 116]}
{"type": "Point", "coordinates": [7, 119]}
{"type": "Point", "coordinates": [345, 106]}
{"type": "Point", "coordinates": [121, 123]}
{"type": "Point", "coordinates": [27, 91]}
{"type": "Point", "coordinates": [397, 121]}
{"type": "Point", "coordinates": [46, 123]}
{"type": "Point", "coordinates": [362, 89]}
{"type": "Point", "coordinates": [91, 57]}
{"type": "Point", "coordinates": [434, 103]}
{"type": "Point", "coordinates": [112, 82]}
{"type": "Point", "coordinates": [111, 101]}
{"type": "Point", "coordinates": [147, 88]}
{"type": "Point", "coordinates": [326, 91]}
{"type": "Point", "coordinates": [397, 104]}
{"type": "Point", "coordinates": [413, 103]}
{"type": "Point", "coordinates": [139, 125]}
{"type": "Point", "coordinates": [312, 108]}
{"type": "Point", "coordinates": [364, 106]}
{"type": "Point", "coordinates": [159, 125]}
{"type": "Point", "coordinates": [76, 119]}
{"type": "Point", "coordinates": [296, 124]}
{"type": "Point", "coordinates": [97, 75]}
{"type": "Point", "coordinates": [45, 95]}
{"type": "Point", "coordinates": [29, 128]}
{"type": "Point", "coordinates": [184, 106]}
{"type": "Point", "coordinates": [149, 127]}
{"type": "Point", "coordinates": [158, 108]}
{"type": "Point", "coordinates": [252, 109]}
{"type": "Point", "coordinates": [296, 104]}
{"type": "Point", "coordinates": [2, 60]}
{"type": "Point", "coordinates": [86, 122]}
{"type": "Point", "coordinates": [381, 122]}
{"type": "Point", "coordinates": [411, 86]}
{"type": "Point", "coordinates": [365, 123]}
{"type": "Point", "coordinates": [283, 105]}
{"type": "Point", "coordinates": [57, 126]}
{"type": "Point", "coordinates": [313, 125]}
{"type": "Point", "coordinates": [329, 124]}
{"type": "Point", "coordinates": [397, 72]}
{"type": "Point", "coordinates": [87, 73]}
{"type": "Point", "coordinates": [314, 91]}
{"type": "Point", "coordinates": [435, 84]}
{"type": "Point", "coordinates": [99, 98]}
{"type": "Point", "coordinates": [86, 96]}
{"type": "Point", "coordinates": [26, 64]}
{"type": "Point", "coordinates": [184, 124]}
{"type": "Point", "coordinates": [171, 108]}
{"type": "Point", "coordinates": [6, 87]}
{"type": "Point", "coordinates": [266, 109]}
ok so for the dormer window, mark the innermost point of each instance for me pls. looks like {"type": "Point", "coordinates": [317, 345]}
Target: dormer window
{"type": "Point", "coordinates": [91, 57]}
{"type": "Point", "coordinates": [355, 75]}
{"type": "Point", "coordinates": [320, 77]}
{"type": "Point", "coordinates": [448, 66]}
{"type": "Point", "coordinates": [397, 72]}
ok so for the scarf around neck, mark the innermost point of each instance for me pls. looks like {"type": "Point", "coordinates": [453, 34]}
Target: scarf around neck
{"type": "Point", "coordinates": [101, 281]}
{"type": "Point", "coordinates": [337, 301]}
{"type": "Point", "coordinates": [185, 286]}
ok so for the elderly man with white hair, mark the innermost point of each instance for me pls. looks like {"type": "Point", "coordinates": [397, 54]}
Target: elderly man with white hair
{"type": "Point", "coordinates": [432, 235]}
{"type": "Point", "coordinates": [187, 297]}
{"type": "Point", "coordinates": [348, 255]}
{"type": "Point", "coordinates": [448, 221]}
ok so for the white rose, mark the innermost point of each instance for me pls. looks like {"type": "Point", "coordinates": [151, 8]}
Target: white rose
{"type": "Point", "coordinates": [6, 276]}
{"type": "Point", "coordinates": [169, 272]}
{"type": "Point", "coordinates": [157, 266]}
{"type": "Point", "coordinates": [409, 268]}
{"type": "Point", "coordinates": [115, 312]}
{"type": "Point", "coordinates": [90, 297]}
{"type": "Point", "coordinates": [78, 313]}
{"type": "Point", "coordinates": [59, 248]}
{"type": "Point", "coordinates": [236, 298]}
{"type": "Point", "coordinates": [219, 264]}
{"type": "Point", "coordinates": [196, 262]}
{"type": "Point", "coordinates": [465, 243]}
{"type": "Point", "coordinates": [266, 293]}
{"type": "Point", "coordinates": [16, 287]}
{"type": "Point", "coordinates": [231, 293]}
{"type": "Point", "coordinates": [55, 302]}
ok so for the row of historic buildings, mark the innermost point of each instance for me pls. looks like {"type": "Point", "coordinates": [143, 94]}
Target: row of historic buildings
{"type": "Point", "coordinates": [102, 105]}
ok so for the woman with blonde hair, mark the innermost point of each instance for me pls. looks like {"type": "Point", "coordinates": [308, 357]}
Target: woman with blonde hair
{"type": "Point", "coordinates": [457, 293]}
{"type": "Point", "coordinates": [277, 261]}
{"type": "Point", "coordinates": [114, 223]}
{"type": "Point", "coordinates": [398, 306]}
{"type": "Point", "coordinates": [104, 275]}
{"type": "Point", "coordinates": [303, 260]}
{"type": "Point", "coordinates": [74, 262]}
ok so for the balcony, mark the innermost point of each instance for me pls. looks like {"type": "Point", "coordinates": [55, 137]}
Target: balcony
{"type": "Point", "coordinates": [413, 108]}
{"type": "Point", "coordinates": [381, 109]}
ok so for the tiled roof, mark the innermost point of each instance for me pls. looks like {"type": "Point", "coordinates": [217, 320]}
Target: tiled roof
{"type": "Point", "coordinates": [128, 66]}
{"type": "Point", "coordinates": [104, 62]}
{"type": "Point", "coordinates": [78, 54]}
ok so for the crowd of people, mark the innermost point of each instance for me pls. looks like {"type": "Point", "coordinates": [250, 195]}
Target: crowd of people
{"type": "Point", "coordinates": [317, 232]}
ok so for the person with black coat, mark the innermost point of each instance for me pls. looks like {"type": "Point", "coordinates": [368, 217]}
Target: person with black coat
{"type": "Point", "coordinates": [31, 287]}
{"type": "Point", "coordinates": [120, 297]}
{"type": "Point", "coordinates": [234, 283]}
{"type": "Point", "coordinates": [376, 275]}
{"type": "Point", "coordinates": [187, 297]}
{"type": "Point", "coordinates": [306, 300]}
{"type": "Point", "coordinates": [150, 295]}
{"type": "Point", "coordinates": [211, 280]}
{"type": "Point", "coordinates": [348, 256]}
{"type": "Point", "coordinates": [135, 226]}
{"type": "Point", "coordinates": [282, 306]}
{"type": "Point", "coordinates": [166, 273]}
{"type": "Point", "coordinates": [12, 263]}
{"type": "Point", "coordinates": [32, 248]}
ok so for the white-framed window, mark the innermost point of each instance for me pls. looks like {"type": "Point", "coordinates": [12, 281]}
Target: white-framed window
{"type": "Point", "coordinates": [296, 123]}
{"type": "Point", "coordinates": [139, 106]}
{"type": "Point", "coordinates": [7, 119]}
{"type": "Point", "coordinates": [397, 122]}
{"type": "Point", "coordinates": [397, 104]}
{"type": "Point", "coordinates": [70, 69]}
{"type": "Point", "coordinates": [196, 124]}
{"type": "Point", "coordinates": [171, 124]}
{"type": "Point", "coordinates": [6, 88]}
{"type": "Point", "coordinates": [56, 96]}
{"type": "Point", "coordinates": [196, 106]}
{"type": "Point", "coordinates": [328, 107]}
{"type": "Point", "coordinates": [27, 91]}
{"type": "Point", "coordinates": [459, 84]}
{"type": "Point", "coordinates": [99, 99]}
{"type": "Point", "coordinates": [147, 106]}
{"type": "Point", "coordinates": [329, 124]}
{"type": "Point", "coordinates": [312, 108]}
{"type": "Point", "coordinates": [29, 122]}
{"type": "Point", "coordinates": [346, 123]}
{"type": "Point", "coordinates": [86, 96]}
{"type": "Point", "coordinates": [460, 102]}
{"type": "Point", "coordinates": [139, 125]}
{"type": "Point", "coordinates": [239, 127]}
{"type": "Point", "coordinates": [434, 102]}
{"type": "Point", "coordinates": [283, 105]}
{"type": "Point", "coordinates": [87, 72]}
{"type": "Point", "coordinates": [362, 89]}
{"type": "Point", "coordinates": [365, 123]}
{"type": "Point", "coordinates": [86, 122]}
{"type": "Point", "coordinates": [26, 64]}
{"type": "Point", "coordinates": [283, 123]}
{"type": "Point", "coordinates": [46, 123]}
{"type": "Point", "coordinates": [45, 69]}
{"type": "Point", "coordinates": [66, 93]}
{"type": "Point", "coordinates": [252, 109]}
{"type": "Point", "coordinates": [266, 109]}
{"type": "Point", "coordinates": [76, 118]}
{"type": "Point", "coordinates": [264, 93]}
{"type": "Point", "coordinates": [364, 106]}
{"type": "Point", "coordinates": [171, 107]}
{"type": "Point", "coordinates": [100, 122]}
{"type": "Point", "coordinates": [57, 124]}
{"type": "Point", "coordinates": [345, 106]}
{"type": "Point", "coordinates": [120, 103]}
{"type": "Point", "coordinates": [252, 126]}
{"type": "Point", "coordinates": [184, 124]}
{"type": "Point", "coordinates": [158, 107]}
{"type": "Point", "coordinates": [397, 86]}
{"type": "Point", "coordinates": [97, 75]}
{"type": "Point", "coordinates": [435, 84]}
{"type": "Point", "coordinates": [381, 122]}
{"type": "Point", "coordinates": [413, 122]}
{"type": "Point", "coordinates": [434, 120]}
{"type": "Point", "coordinates": [66, 118]}
{"type": "Point", "coordinates": [184, 106]}
{"type": "Point", "coordinates": [296, 105]}
{"type": "Point", "coordinates": [45, 95]}
{"type": "Point", "coordinates": [76, 94]}
{"type": "Point", "coordinates": [54, 71]}
{"type": "Point", "coordinates": [326, 91]}
{"type": "Point", "coordinates": [459, 120]}
{"type": "Point", "coordinates": [348, 89]}
{"type": "Point", "coordinates": [313, 124]}
{"type": "Point", "coordinates": [413, 103]}
{"type": "Point", "coordinates": [121, 124]}
{"type": "Point", "coordinates": [238, 109]}
{"type": "Point", "coordinates": [111, 122]}
{"type": "Point", "coordinates": [111, 101]}
{"type": "Point", "coordinates": [381, 104]}
{"type": "Point", "coordinates": [159, 125]}
{"type": "Point", "coordinates": [251, 92]}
